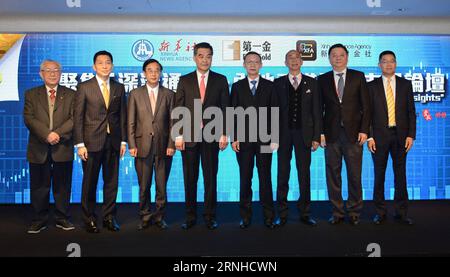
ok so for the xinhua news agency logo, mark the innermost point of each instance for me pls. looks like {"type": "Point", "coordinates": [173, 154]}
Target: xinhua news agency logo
{"type": "Point", "coordinates": [142, 50]}
{"type": "Point", "coordinates": [308, 48]}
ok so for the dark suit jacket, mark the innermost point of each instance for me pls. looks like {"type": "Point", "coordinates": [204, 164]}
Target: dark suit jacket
{"type": "Point", "coordinates": [144, 127]}
{"type": "Point", "coordinates": [36, 117]}
{"type": "Point", "coordinates": [241, 96]}
{"type": "Point", "coordinates": [217, 95]}
{"type": "Point", "coordinates": [310, 108]}
{"type": "Point", "coordinates": [405, 111]}
{"type": "Point", "coordinates": [91, 115]}
{"type": "Point", "coordinates": [355, 106]}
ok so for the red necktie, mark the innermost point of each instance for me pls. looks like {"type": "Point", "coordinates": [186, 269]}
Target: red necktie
{"type": "Point", "coordinates": [52, 95]}
{"type": "Point", "coordinates": [202, 88]}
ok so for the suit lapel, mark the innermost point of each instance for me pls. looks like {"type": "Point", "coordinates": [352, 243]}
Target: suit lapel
{"type": "Point", "coordinates": [59, 99]}
{"type": "Point", "coordinates": [112, 91]}
{"type": "Point", "coordinates": [145, 97]}
{"type": "Point", "coordinates": [161, 95]}
{"type": "Point", "coordinates": [397, 91]}
{"type": "Point", "coordinates": [382, 95]}
{"type": "Point", "coordinates": [333, 87]}
{"type": "Point", "coordinates": [209, 86]}
{"type": "Point", "coordinates": [97, 90]}
{"type": "Point", "coordinates": [196, 89]}
{"type": "Point", "coordinates": [43, 98]}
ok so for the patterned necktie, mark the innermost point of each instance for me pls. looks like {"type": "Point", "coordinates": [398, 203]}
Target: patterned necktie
{"type": "Point", "coordinates": [340, 86]}
{"type": "Point", "coordinates": [105, 93]}
{"type": "Point", "coordinates": [152, 101]}
{"type": "Point", "coordinates": [202, 88]}
{"type": "Point", "coordinates": [295, 84]}
{"type": "Point", "coordinates": [253, 89]}
{"type": "Point", "coordinates": [52, 95]}
{"type": "Point", "coordinates": [390, 103]}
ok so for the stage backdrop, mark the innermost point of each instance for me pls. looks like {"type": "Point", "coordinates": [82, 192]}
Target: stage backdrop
{"type": "Point", "coordinates": [423, 59]}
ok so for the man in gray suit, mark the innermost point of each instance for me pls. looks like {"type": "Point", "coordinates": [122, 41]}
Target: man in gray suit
{"type": "Point", "coordinates": [149, 141]}
{"type": "Point", "coordinates": [100, 135]}
{"type": "Point", "coordinates": [48, 115]}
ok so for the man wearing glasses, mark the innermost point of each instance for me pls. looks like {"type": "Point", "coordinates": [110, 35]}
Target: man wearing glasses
{"type": "Point", "coordinates": [48, 115]}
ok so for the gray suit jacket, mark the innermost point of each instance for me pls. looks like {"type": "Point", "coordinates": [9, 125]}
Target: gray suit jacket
{"type": "Point", "coordinates": [91, 115]}
{"type": "Point", "coordinates": [145, 127]}
{"type": "Point", "coordinates": [36, 117]}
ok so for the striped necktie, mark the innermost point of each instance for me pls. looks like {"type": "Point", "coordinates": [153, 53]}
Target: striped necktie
{"type": "Point", "coordinates": [390, 103]}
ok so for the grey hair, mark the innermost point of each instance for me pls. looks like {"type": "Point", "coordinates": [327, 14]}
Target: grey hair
{"type": "Point", "coordinates": [49, 61]}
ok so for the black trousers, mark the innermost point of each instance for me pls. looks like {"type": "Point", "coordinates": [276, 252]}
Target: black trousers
{"type": "Point", "coordinates": [246, 161]}
{"type": "Point", "coordinates": [208, 154]}
{"type": "Point", "coordinates": [58, 176]}
{"type": "Point", "coordinates": [144, 170]}
{"type": "Point", "coordinates": [397, 150]}
{"type": "Point", "coordinates": [108, 160]}
{"type": "Point", "coordinates": [293, 139]}
{"type": "Point", "coordinates": [352, 154]}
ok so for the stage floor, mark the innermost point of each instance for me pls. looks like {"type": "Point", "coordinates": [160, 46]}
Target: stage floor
{"type": "Point", "coordinates": [430, 236]}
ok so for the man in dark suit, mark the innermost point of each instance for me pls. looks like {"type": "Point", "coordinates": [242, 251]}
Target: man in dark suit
{"type": "Point", "coordinates": [346, 106]}
{"type": "Point", "coordinates": [393, 131]}
{"type": "Point", "coordinates": [149, 141]}
{"type": "Point", "coordinates": [100, 135]}
{"type": "Point", "coordinates": [211, 90]}
{"type": "Point", "coordinates": [300, 127]}
{"type": "Point", "coordinates": [48, 115]}
{"type": "Point", "coordinates": [253, 93]}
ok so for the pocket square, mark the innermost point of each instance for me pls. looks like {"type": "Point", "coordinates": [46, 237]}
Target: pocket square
{"type": "Point", "coordinates": [308, 91]}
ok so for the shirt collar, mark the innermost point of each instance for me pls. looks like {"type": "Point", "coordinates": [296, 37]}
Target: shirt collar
{"type": "Point", "coordinates": [343, 71]}
{"type": "Point", "coordinates": [48, 89]}
{"type": "Point", "coordinates": [155, 90]}
{"type": "Point", "coordinates": [299, 77]}
{"type": "Point", "coordinates": [199, 75]}
{"type": "Point", "coordinates": [100, 81]}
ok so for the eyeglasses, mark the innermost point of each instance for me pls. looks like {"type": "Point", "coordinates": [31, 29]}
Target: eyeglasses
{"type": "Point", "coordinates": [49, 71]}
{"type": "Point", "coordinates": [153, 71]}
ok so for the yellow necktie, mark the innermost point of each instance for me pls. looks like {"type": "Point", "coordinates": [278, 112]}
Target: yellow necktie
{"type": "Point", "coordinates": [390, 103]}
{"type": "Point", "coordinates": [105, 93]}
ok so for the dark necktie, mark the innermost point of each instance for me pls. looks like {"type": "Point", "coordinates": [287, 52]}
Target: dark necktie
{"type": "Point", "coordinates": [253, 89]}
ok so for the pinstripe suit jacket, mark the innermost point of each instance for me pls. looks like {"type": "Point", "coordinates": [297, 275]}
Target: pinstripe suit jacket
{"type": "Point", "coordinates": [91, 116]}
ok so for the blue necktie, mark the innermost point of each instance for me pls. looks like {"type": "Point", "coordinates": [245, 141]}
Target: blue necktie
{"type": "Point", "coordinates": [253, 89]}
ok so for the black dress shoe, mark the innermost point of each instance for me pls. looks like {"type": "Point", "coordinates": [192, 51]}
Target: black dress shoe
{"type": "Point", "coordinates": [91, 227]}
{"type": "Point", "coordinates": [188, 224]}
{"type": "Point", "coordinates": [65, 224]}
{"type": "Point", "coordinates": [404, 220]}
{"type": "Point", "coordinates": [161, 224]}
{"type": "Point", "coordinates": [378, 219]}
{"type": "Point", "coordinates": [308, 220]}
{"type": "Point", "coordinates": [334, 220]}
{"type": "Point", "coordinates": [144, 224]}
{"type": "Point", "coordinates": [36, 227]}
{"type": "Point", "coordinates": [281, 221]}
{"type": "Point", "coordinates": [211, 224]}
{"type": "Point", "coordinates": [111, 224]}
{"type": "Point", "coordinates": [269, 224]}
{"type": "Point", "coordinates": [354, 220]}
{"type": "Point", "coordinates": [244, 224]}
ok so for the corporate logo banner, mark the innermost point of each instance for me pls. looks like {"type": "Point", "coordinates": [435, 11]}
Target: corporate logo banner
{"type": "Point", "coordinates": [425, 60]}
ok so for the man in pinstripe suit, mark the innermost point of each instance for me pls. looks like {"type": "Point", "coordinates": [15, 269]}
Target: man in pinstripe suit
{"type": "Point", "coordinates": [100, 136]}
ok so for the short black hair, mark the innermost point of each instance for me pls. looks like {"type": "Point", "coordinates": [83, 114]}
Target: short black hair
{"type": "Point", "coordinates": [386, 52]}
{"type": "Point", "coordinates": [103, 52]}
{"type": "Point", "coordinates": [337, 45]}
{"type": "Point", "coordinates": [149, 61]}
{"type": "Point", "coordinates": [253, 53]}
{"type": "Point", "coordinates": [202, 45]}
